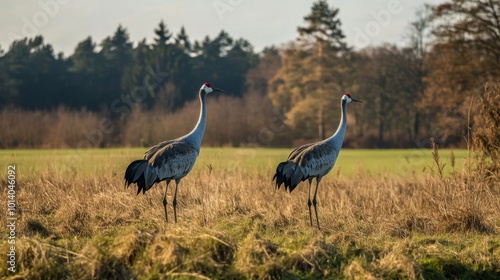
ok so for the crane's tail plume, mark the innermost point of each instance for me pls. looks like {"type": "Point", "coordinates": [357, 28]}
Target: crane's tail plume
{"type": "Point", "coordinates": [289, 174]}
{"type": "Point", "coordinates": [141, 173]}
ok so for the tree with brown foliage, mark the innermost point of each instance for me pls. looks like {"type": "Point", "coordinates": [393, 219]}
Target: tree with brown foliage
{"type": "Point", "coordinates": [389, 77]}
{"type": "Point", "coordinates": [311, 77]}
{"type": "Point", "coordinates": [466, 54]}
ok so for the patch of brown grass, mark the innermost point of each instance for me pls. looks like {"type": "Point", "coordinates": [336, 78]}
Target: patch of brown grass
{"type": "Point", "coordinates": [234, 224]}
{"type": "Point", "coordinates": [487, 132]}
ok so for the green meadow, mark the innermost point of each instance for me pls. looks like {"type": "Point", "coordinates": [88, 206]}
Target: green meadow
{"type": "Point", "coordinates": [392, 162]}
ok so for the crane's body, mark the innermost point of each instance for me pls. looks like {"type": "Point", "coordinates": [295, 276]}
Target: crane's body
{"type": "Point", "coordinates": [158, 164]}
{"type": "Point", "coordinates": [171, 159]}
{"type": "Point", "coordinates": [313, 160]}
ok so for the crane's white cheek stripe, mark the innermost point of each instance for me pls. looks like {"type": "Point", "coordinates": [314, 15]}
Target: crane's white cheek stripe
{"type": "Point", "coordinates": [207, 89]}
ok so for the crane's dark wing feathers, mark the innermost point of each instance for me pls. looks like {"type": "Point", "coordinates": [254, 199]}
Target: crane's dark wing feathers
{"type": "Point", "coordinates": [307, 161]}
{"type": "Point", "coordinates": [166, 161]}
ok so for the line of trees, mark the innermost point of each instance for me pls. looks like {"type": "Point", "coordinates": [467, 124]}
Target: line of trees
{"type": "Point", "coordinates": [411, 93]}
{"type": "Point", "coordinates": [166, 73]}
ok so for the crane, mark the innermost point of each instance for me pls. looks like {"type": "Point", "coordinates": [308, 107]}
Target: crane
{"type": "Point", "coordinates": [171, 159]}
{"type": "Point", "coordinates": [313, 160]}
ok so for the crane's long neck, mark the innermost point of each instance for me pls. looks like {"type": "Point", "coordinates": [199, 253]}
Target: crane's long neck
{"type": "Point", "coordinates": [196, 135]}
{"type": "Point", "coordinates": [338, 137]}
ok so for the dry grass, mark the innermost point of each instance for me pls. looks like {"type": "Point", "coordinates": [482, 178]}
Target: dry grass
{"type": "Point", "coordinates": [487, 132]}
{"type": "Point", "coordinates": [234, 224]}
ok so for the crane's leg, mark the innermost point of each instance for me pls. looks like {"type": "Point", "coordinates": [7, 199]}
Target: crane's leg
{"type": "Point", "coordinates": [165, 199]}
{"type": "Point", "coordinates": [174, 202]}
{"type": "Point", "coordinates": [318, 179]}
{"type": "Point", "coordinates": [309, 203]}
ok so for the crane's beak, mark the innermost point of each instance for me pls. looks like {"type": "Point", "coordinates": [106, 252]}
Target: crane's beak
{"type": "Point", "coordinates": [218, 89]}
{"type": "Point", "coordinates": [356, 100]}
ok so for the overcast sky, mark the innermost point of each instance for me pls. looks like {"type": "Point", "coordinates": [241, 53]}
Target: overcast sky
{"type": "Point", "coordinates": [64, 23]}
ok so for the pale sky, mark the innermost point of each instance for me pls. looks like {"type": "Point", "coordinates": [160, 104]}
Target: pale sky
{"type": "Point", "coordinates": [64, 23]}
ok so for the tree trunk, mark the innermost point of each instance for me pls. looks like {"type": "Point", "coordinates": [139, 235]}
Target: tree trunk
{"type": "Point", "coordinates": [380, 133]}
{"type": "Point", "coordinates": [416, 125]}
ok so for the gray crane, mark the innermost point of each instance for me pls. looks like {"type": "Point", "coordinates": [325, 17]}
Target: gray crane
{"type": "Point", "coordinates": [313, 160]}
{"type": "Point", "coordinates": [171, 159]}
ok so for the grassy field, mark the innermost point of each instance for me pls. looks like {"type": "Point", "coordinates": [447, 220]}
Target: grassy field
{"type": "Point", "coordinates": [384, 214]}
{"type": "Point", "coordinates": [350, 163]}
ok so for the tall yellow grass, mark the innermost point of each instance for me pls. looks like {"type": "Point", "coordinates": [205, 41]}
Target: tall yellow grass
{"type": "Point", "coordinates": [234, 224]}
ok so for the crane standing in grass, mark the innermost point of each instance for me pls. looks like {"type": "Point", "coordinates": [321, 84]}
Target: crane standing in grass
{"type": "Point", "coordinates": [313, 160]}
{"type": "Point", "coordinates": [171, 159]}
